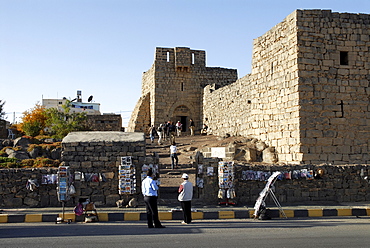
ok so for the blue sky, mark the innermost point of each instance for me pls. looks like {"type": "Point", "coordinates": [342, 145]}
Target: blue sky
{"type": "Point", "coordinates": [52, 48]}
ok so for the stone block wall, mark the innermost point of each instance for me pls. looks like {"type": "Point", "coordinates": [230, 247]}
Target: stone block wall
{"type": "Point", "coordinates": [97, 153]}
{"type": "Point", "coordinates": [265, 103]}
{"type": "Point", "coordinates": [101, 152]}
{"type": "Point", "coordinates": [301, 97]}
{"type": "Point", "coordinates": [14, 194]}
{"type": "Point", "coordinates": [339, 183]}
{"type": "Point", "coordinates": [105, 122]}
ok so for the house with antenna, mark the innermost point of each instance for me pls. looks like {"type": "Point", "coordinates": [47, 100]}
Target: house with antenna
{"type": "Point", "coordinates": [96, 120]}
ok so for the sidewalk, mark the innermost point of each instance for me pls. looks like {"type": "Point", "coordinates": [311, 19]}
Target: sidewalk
{"type": "Point", "coordinates": [169, 213]}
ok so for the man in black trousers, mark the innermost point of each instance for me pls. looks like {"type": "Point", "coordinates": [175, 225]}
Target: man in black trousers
{"type": "Point", "coordinates": [150, 191]}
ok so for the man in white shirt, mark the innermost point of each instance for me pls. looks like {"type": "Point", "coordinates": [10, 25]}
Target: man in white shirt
{"type": "Point", "coordinates": [185, 196]}
{"type": "Point", "coordinates": [173, 155]}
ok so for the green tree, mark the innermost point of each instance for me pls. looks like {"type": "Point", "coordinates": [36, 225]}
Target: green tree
{"type": "Point", "coordinates": [62, 122]}
{"type": "Point", "coordinates": [2, 113]}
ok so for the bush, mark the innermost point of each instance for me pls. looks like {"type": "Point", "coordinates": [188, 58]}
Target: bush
{"type": "Point", "coordinates": [45, 162]}
{"type": "Point", "coordinates": [8, 162]}
{"type": "Point", "coordinates": [45, 146]}
{"type": "Point", "coordinates": [27, 163]}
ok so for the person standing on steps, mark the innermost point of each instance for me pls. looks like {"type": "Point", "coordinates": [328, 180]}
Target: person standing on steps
{"type": "Point", "coordinates": [160, 134]}
{"type": "Point", "coordinates": [191, 127]}
{"type": "Point", "coordinates": [173, 155]}
{"type": "Point", "coordinates": [185, 197]}
{"type": "Point", "coordinates": [172, 130]}
{"type": "Point", "coordinates": [152, 133]}
{"type": "Point", "coordinates": [178, 128]}
{"type": "Point", "coordinates": [149, 189]}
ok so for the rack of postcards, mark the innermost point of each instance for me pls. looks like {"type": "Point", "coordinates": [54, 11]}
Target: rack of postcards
{"type": "Point", "coordinates": [63, 183]}
{"type": "Point", "coordinates": [226, 177]}
{"type": "Point", "coordinates": [127, 176]}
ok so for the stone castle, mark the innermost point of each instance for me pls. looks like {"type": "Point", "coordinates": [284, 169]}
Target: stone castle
{"type": "Point", "coordinates": [307, 95]}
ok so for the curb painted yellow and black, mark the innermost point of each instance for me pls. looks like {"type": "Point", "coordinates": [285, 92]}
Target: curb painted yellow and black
{"type": "Point", "coordinates": [140, 216]}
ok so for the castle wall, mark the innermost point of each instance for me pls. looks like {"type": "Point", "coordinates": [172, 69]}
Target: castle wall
{"type": "Point", "coordinates": [143, 113]}
{"type": "Point", "coordinates": [308, 93]}
{"type": "Point", "coordinates": [263, 104]}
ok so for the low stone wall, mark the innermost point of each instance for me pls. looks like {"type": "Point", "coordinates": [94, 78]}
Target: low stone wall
{"type": "Point", "coordinates": [343, 183]}
{"type": "Point", "coordinates": [14, 194]}
{"type": "Point", "coordinates": [338, 184]}
{"type": "Point", "coordinates": [99, 155]}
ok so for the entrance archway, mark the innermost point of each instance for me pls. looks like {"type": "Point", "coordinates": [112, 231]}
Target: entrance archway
{"type": "Point", "coordinates": [182, 113]}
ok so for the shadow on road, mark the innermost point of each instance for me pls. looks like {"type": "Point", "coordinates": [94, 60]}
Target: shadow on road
{"type": "Point", "coordinates": [23, 230]}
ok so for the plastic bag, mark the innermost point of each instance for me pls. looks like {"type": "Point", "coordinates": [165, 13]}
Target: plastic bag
{"type": "Point", "coordinates": [71, 190]}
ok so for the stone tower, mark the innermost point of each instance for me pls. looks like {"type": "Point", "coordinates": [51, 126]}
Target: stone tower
{"type": "Point", "coordinates": [172, 89]}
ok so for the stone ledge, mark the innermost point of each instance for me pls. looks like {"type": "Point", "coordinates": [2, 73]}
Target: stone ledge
{"type": "Point", "coordinates": [224, 214]}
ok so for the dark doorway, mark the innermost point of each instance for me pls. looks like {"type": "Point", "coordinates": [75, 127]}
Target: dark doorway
{"type": "Point", "coordinates": [184, 122]}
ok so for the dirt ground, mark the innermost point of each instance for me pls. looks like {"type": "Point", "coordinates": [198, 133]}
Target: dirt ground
{"type": "Point", "coordinates": [187, 148]}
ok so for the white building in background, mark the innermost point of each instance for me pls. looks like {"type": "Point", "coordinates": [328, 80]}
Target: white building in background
{"type": "Point", "coordinates": [77, 105]}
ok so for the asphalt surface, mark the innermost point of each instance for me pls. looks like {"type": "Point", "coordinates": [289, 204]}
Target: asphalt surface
{"type": "Point", "coordinates": [300, 232]}
{"type": "Point", "coordinates": [174, 213]}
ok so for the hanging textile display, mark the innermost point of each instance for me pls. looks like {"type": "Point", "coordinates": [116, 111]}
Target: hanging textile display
{"type": "Point", "coordinates": [252, 175]}
{"type": "Point", "coordinates": [127, 176]}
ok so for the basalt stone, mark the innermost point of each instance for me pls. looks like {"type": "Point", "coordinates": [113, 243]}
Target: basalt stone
{"type": "Point", "coordinates": [56, 153]}
{"type": "Point", "coordinates": [31, 202]}
{"type": "Point", "coordinates": [19, 155]}
{"type": "Point", "coordinates": [22, 142]}
{"type": "Point", "coordinates": [13, 202]}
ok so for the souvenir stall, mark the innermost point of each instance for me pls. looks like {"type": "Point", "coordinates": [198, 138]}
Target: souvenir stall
{"type": "Point", "coordinates": [226, 182]}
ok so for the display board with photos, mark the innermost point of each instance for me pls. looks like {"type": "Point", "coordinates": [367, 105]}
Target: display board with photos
{"type": "Point", "coordinates": [63, 183]}
{"type": "Point", "coordinates": [226, 175]}
{"type": "Point", "coordinates": [200, 180]}
{"type": "Point", "coordinates": [127, 176]}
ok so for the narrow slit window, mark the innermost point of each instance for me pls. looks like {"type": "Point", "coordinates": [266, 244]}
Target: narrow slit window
{"type": "Point", "coordinates": [182, 86]}
{"type": "Point", "coordinates": [168, 56]}
{"type": "Point", "coordinates": [272, 68]}
{"type": "Point", "coordinates": [192, 58]}
{"type": "Point", "coordinates": [344, 58]}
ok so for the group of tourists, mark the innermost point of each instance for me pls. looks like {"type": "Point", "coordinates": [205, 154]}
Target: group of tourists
{"type": "Point", "coordinates": [168, 131]}
{"type": "Point", "coordinates": [150, 192]}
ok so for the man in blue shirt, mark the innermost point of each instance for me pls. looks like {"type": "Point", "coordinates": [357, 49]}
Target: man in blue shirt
{"type": "Point", "coordinates": [150, 191]}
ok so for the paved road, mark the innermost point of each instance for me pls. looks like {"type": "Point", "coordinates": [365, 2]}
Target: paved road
{"type": "Point", "coordinates": [320, 232]}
